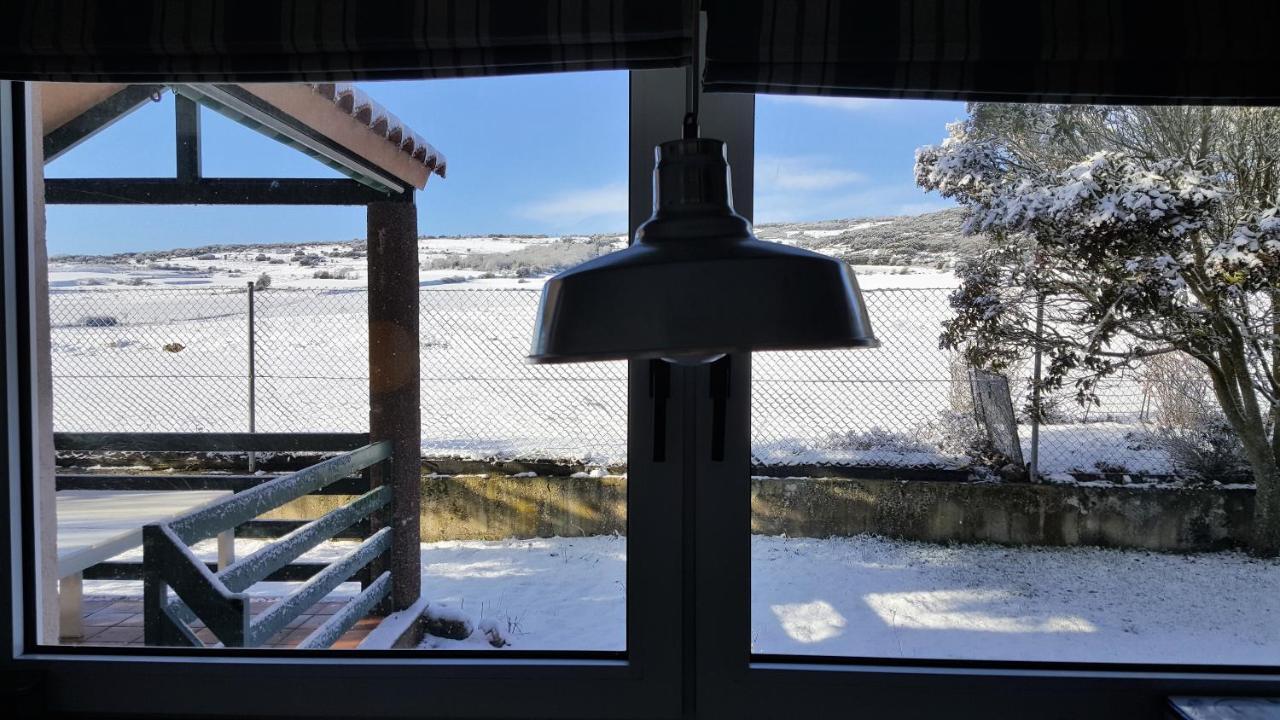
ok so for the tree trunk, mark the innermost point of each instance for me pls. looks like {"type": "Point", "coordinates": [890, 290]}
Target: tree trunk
{"type": "Point", "coordinates": [1262, 462]}
{"type": "Point", "coordinates": [1266, 512]}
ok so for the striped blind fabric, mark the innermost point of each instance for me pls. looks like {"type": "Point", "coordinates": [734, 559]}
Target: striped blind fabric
{"type": "Point", "coordinates": [327, 40]}
{"type": "Point", "coordinates": [1105, 51]}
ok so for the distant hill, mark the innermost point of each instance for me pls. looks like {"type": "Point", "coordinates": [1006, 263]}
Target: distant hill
{"type": "Point", "coordinates": [929, 240]}
{"type": "Point", "coordinates": [932, 240]}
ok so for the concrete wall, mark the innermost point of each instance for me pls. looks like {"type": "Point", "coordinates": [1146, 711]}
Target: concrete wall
{"type": "Point", "coordinates": [494, 507]}
{"type": "Point", "coordinates": [1021, 514]}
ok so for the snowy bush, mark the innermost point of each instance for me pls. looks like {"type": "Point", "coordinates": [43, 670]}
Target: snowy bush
{"type": "Point", "coordinates": [263, 282]}
{"type": "Point", "coordinates": [1191, 427]}
{"type": "Point", "coordinates": [100, 321]}
{"type": "Point", "coordinates": [956, 433]}
{"type": "Point", "coordinates": [876, 439]}
{"type": "Point", "coordinates": [1054, 408]}
{"type": "Point", "coordinates": [1180, 390]}
{"type": "Point", "coordinates": [447, 622]}
{"type": "Point", "coordinates": [541, 259]}
{"type": "Point", "coordinates": [339, 274]}
{"type": "Point", "coordinates": [1206, 450]}
{"type": "Point", "coordinates": [493, 632]}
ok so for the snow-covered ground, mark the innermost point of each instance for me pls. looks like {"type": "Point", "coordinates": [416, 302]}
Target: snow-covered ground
{"type": "Point", "coordinates": [874, 597]}
{"type": "Point", "coordinates": [159, 343]}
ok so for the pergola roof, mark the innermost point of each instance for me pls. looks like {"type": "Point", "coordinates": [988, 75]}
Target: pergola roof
{"type": "Point", "coordinates": [338, 124]}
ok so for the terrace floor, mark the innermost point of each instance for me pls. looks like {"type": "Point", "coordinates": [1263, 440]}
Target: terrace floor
{"type": "Point", "coordinates": [115, 621]}
{"type": "Point", "coordinates": [861, 596]}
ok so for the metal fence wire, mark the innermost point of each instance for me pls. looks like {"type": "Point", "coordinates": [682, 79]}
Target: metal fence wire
{"type": "Point", "coordinates": [177, 360]}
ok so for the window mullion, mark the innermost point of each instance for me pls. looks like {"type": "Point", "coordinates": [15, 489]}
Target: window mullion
{"type": "Point", "coordinates": [722, 485]}
{"type": "Point", "coordinates": [656, 433]}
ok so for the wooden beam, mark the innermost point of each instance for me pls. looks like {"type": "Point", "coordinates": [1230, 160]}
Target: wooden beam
{"type": "Point", "coordinates": [132, 570]}
{"type": "Point", "coordinates": [280, 528]}
{"type": "Point", "coordinates": [210, 442]}
{"type": "Point", "coordinates": [249, 110]}
{"type": "Point", "coordinates": [328, 633]}
{"type": "Point", "coordinates": [394, 380]}
{"type": "Point", "coordinates": [167, 481]}
{"type": "Point", "coordinates": [324, 118]}
{"type": "Point", "coordinates": [251, 569]}
{"type": "Point", "coordinates": [211, 191]}
{"type": "Point", "coordinates": [186, 126]}
{"type": "Point", "coordinates": [71, 132]}
{"type": "Point", "coordinates": [60, 102]}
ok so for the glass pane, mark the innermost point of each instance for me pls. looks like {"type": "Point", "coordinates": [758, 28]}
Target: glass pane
{"type": "Point", "coordinates": [198, 319]}
{"type": "Point", "coordinates": [1036, 464]}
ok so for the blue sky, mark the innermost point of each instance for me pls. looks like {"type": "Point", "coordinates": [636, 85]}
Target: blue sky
{"type": "Point", "coordinates": [541, 154]}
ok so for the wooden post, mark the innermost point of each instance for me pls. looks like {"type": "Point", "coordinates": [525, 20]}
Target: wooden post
{"type": "Point", "coordinates": [71, 606]}
{"type": "Point", "coordinates": [394, 383]}
{"type": "Point", "coordinates": [226, 549]}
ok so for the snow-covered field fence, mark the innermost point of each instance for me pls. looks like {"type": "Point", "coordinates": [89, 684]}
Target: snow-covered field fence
{"type": "Point", "coordinates": [177, 360]}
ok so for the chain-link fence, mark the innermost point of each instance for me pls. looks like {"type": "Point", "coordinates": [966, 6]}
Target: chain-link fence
{"type": "Point", "coordinates": [172, 360]}
{"type": "Point", "coordinates": [909, 403]}
{"type": "Point", "coordinates": [178, 360]}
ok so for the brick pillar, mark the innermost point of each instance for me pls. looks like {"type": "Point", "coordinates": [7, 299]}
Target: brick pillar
{"type": "Point", "coordinates": [394, 382]}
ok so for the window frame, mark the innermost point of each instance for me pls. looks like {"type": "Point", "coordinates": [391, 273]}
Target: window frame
{"type": "Point", "coordinates": [773, 685]}
{"type": "Point", "coordinates": [688, 569]}
{"type": "Point", "coordinates": [643, 681]}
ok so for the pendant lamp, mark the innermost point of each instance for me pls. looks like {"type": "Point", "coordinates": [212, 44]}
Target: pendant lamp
{"type": "Point", "coordinates": [696, 284]}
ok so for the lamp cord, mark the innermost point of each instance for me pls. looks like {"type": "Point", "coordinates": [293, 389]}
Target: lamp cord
{"type": "Point", "coordinates": [691, 76]}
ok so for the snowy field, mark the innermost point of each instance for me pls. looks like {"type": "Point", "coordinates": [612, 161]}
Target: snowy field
{"type": "Point", "coordinates": [161, 344]}
{"type": "Point", "coordinates": [872, 597]}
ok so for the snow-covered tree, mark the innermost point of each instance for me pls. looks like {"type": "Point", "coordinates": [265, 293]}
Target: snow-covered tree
{"type": "Point", "coordinates": [1138, 231]}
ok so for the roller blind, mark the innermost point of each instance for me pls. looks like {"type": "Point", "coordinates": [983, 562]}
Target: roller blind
{"type": "Point", "coordinates": [1105, 51]}
{"type": "Point", "coordinates": [295, 40]}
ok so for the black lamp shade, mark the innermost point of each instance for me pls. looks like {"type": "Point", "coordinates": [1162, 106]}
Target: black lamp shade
{"type": "Point", "coordinates": [696, 283]}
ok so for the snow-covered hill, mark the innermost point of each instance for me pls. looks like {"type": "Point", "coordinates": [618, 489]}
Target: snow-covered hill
{"type": "Point", "coordinates": [883, 251]}
{"type": "Point", "coordinates": [932, 240]}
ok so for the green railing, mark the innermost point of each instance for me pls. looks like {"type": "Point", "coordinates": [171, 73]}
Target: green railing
{"type": "Point", "coordinates": [218, 598]}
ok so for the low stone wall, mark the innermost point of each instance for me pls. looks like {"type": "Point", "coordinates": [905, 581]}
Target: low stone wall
{"type": "Point", "coordinates": [493, 507]}
{"type": "Point", "coordinates": [1153, 518]}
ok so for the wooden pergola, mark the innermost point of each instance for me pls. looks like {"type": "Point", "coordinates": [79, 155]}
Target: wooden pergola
{"type": "Point", "coordinates": [384, 162]}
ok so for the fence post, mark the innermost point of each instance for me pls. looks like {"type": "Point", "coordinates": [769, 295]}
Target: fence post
{"type": "Point", "coordinates": [253, 420]}
{"type": "Point", "coordinates": [1033, 466]}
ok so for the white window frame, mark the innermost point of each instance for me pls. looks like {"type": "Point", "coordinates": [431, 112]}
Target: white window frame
{"type": "Point", "coordinates": [688, 569]}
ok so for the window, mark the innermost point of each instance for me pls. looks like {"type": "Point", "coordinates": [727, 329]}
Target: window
{"type": "Point", "coordinates": [1034, 465]}
{"type": "Point", "coordinates": [688, 611]}
{"type": "Point", "coordinates": [572, 513]}
{"type": "Point", "coordinates": [259, 319]}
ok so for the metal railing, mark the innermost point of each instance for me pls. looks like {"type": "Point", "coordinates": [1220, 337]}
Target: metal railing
{"type": "Point", "coordinates": [217, 597]}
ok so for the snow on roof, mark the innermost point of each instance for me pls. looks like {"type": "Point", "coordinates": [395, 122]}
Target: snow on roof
{"type": "Point", "coordinates": [356, 103]}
